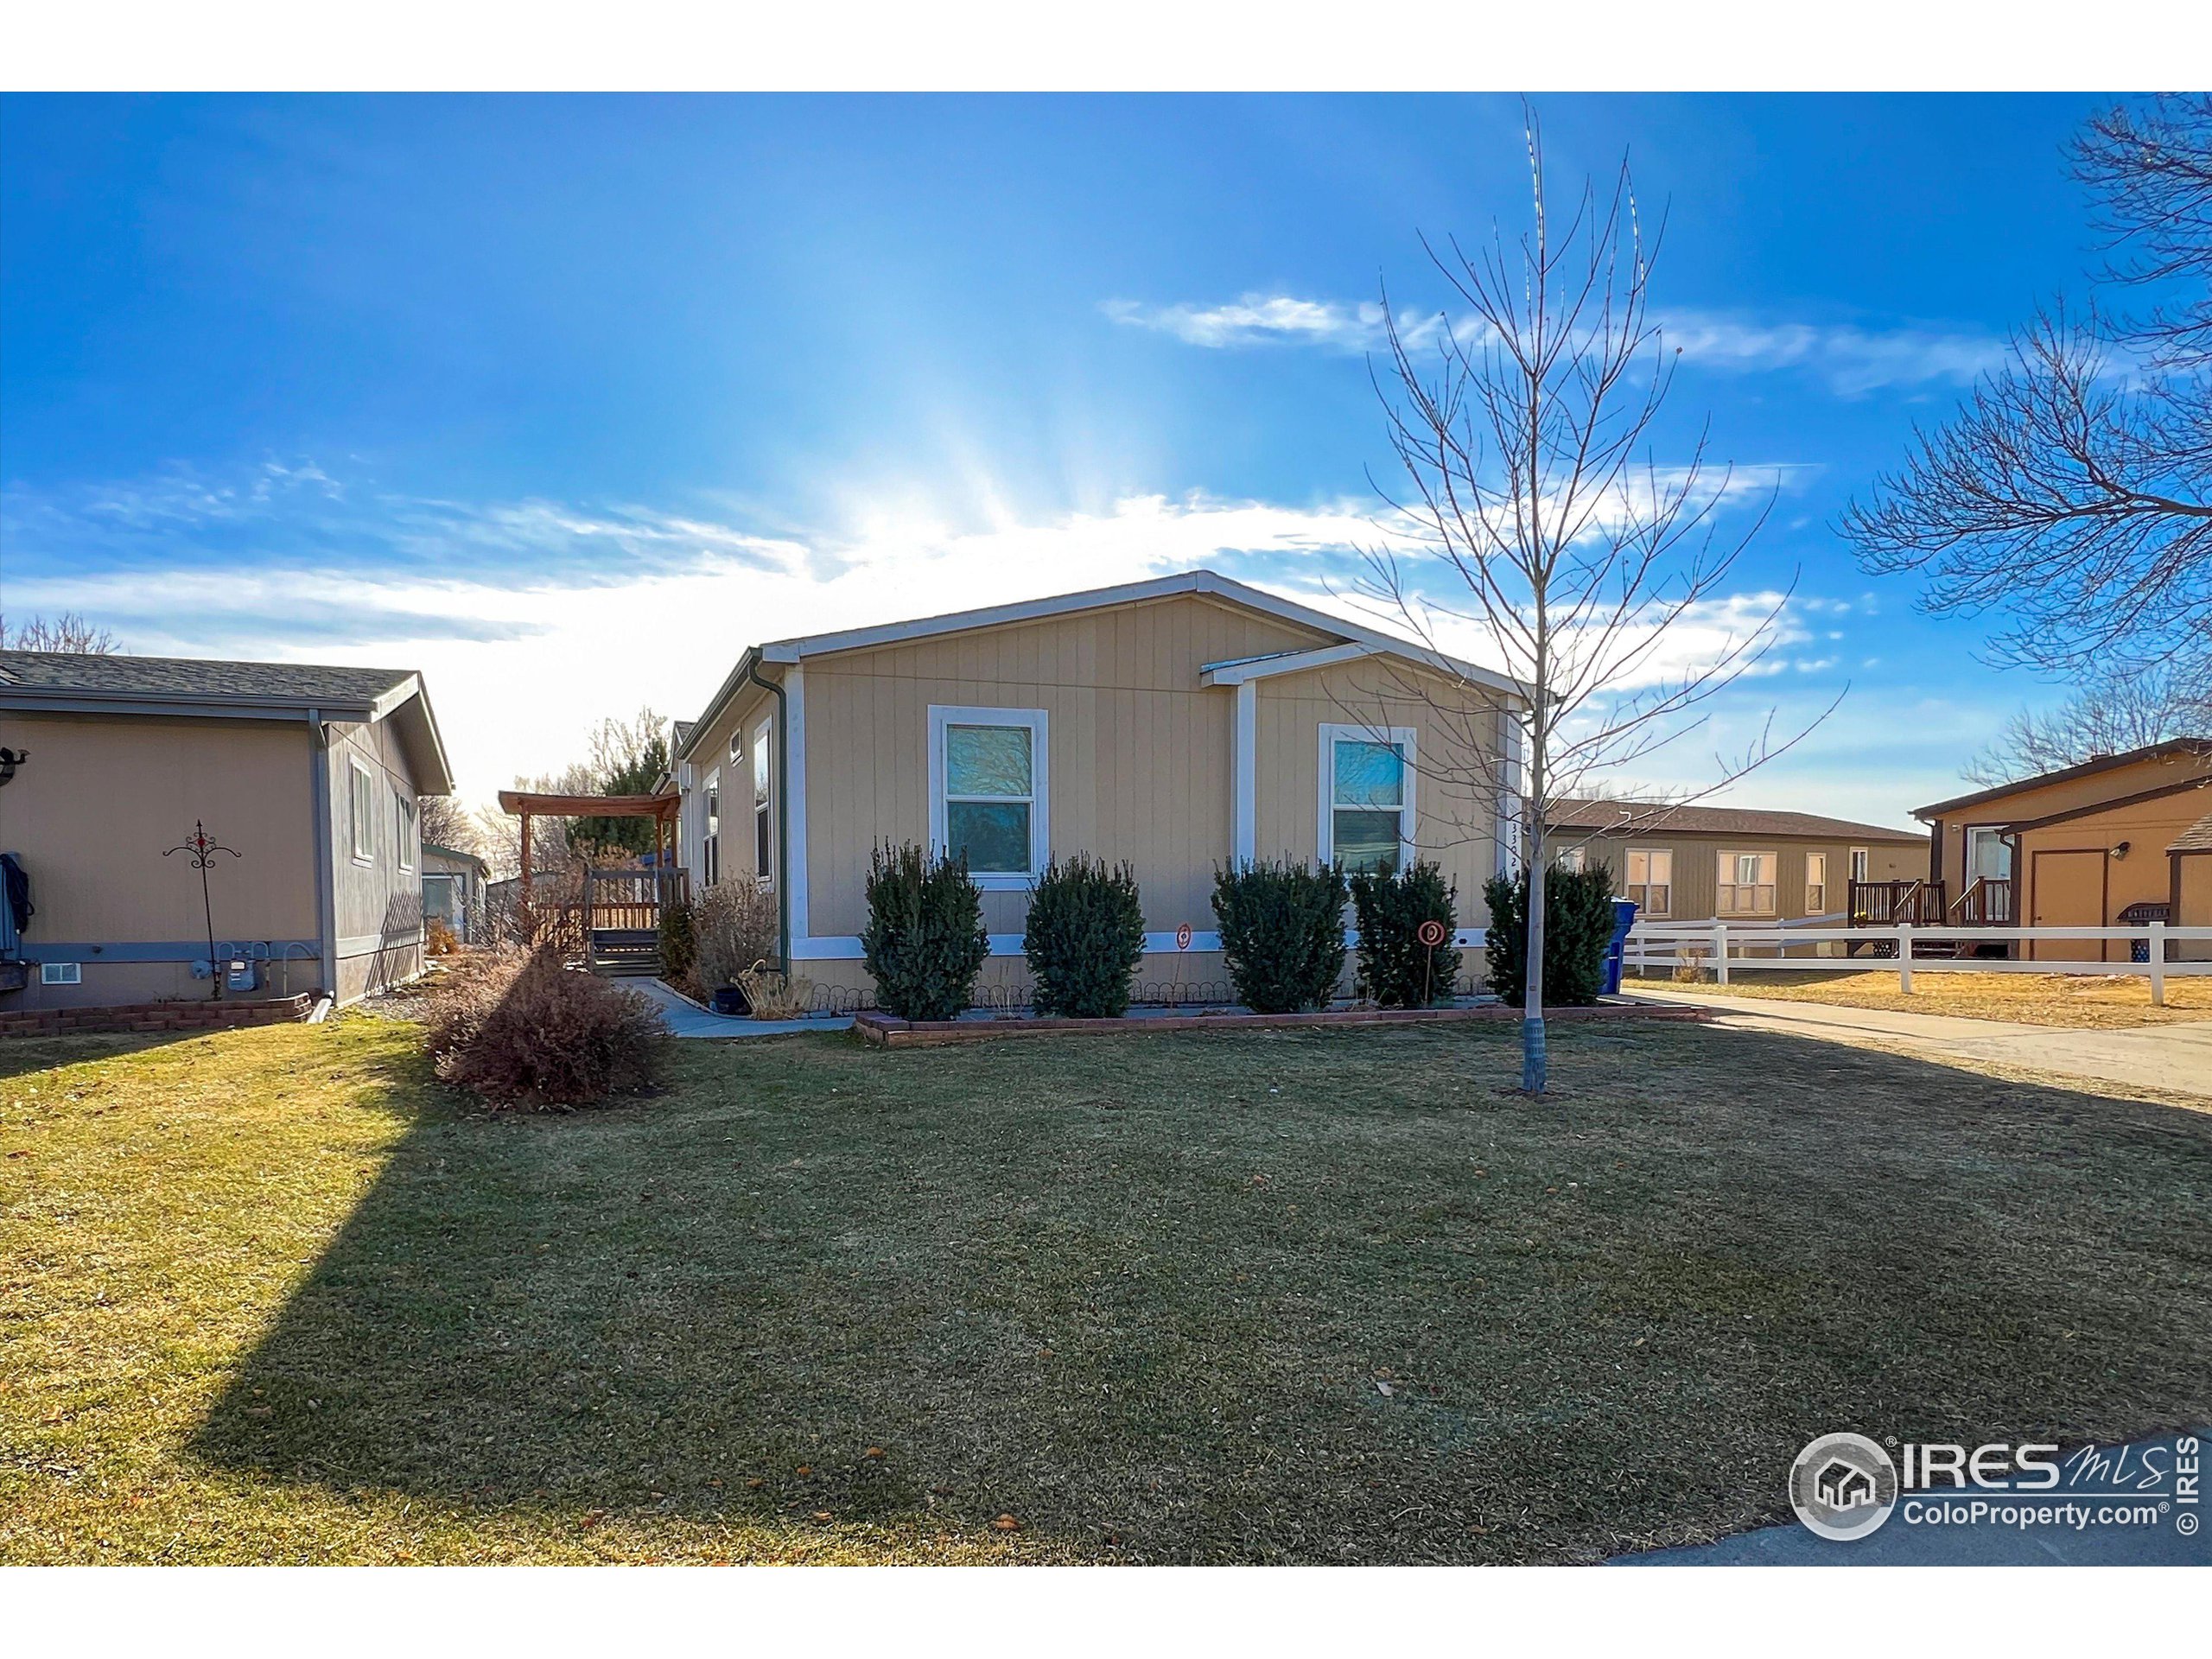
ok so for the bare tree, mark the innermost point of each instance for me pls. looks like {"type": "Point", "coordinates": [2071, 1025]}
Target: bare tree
{"type": "Point", "coordinates": [446, 823]}
{"type": "Point", "coordinates": [2128, 712]}
{"type": "Point", "coordinates": [1543, 527]}
{"type": "Point", "coordinates": [2072, 493]}
{"type": "Point", "coordinates": [69, 632]}
{"type": "Point", "coordinates": [623, 757]}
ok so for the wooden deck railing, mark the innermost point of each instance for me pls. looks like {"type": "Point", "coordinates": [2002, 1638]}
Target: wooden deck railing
{"type": "Point", "coordinates": [1885, 904]}
{"type": "Point", "coordinates": [1987, 902]}
{"type": "Point", "coordinates": [630, 901]}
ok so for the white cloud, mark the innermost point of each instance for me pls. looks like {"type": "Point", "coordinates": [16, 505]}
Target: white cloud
{"type": "Point", "coordinates": [1851, 360]}
{"type": "Point", "coordinates": [533, 619]}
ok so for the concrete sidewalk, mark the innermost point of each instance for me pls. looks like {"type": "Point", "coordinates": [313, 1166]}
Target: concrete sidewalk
{"type": "Point", "coordinates": [1899, 1543]}
{"type": "Point", "coordinates": [2175, 1058]}
{"type": "Point", "coordinates": [689, 1019]}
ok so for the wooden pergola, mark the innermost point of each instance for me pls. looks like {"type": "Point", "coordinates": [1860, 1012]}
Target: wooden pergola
{"type": "Point", "coordinates": [661, 808]}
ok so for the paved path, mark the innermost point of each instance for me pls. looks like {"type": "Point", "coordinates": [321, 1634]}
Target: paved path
{"type": "Point", "coordinates": [1980, 1544]}
{"type": "Point", "coordinates": [2177, 1057]}
{"type": "Point", "coordinates": [686, 1020]}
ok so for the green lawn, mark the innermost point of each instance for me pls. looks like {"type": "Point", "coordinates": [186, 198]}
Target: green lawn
{"type": "Point", "coordinates": [1317, 1296]}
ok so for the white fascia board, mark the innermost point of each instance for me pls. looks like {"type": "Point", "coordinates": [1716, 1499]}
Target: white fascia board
{"type": "Point", "coordinates": [1246, 669]}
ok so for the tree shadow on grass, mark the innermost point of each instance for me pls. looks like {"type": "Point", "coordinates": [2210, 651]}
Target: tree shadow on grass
{"type": "Point", "coordinates": [1329, 1296]}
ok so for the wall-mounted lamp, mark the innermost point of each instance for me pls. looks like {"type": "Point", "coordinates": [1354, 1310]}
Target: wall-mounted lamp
{"type": "Point", "coordinates": [9, 760]}
{"type": "Point", "coordinates": [2119, 849]}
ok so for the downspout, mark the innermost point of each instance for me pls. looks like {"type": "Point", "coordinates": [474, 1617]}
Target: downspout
{"type": "Point", "coordinates": [780, 769]}
{"type": "Point", "coordinates": [326, 875]}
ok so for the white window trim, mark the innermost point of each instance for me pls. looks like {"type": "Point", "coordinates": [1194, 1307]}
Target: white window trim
{"type": "Point", "coordinates": [360, 836]}
{"type": "Point", "coordinates": [1765, 852]}
{"type": "Point", "coordinates": [1326, 826]}
{"type": "Point", "coordinates": [764, 802]}
{"type": "Point", "coordinates": [404, 811]}
{"type": "Point", "coordinates": [1040, 803]}
{"type": "Point", "coordinates": [1627, 885]}
{"type": "Point", "coordinates": [1860, 864]}
{"type": "Point", "coordinates": [710, 827]}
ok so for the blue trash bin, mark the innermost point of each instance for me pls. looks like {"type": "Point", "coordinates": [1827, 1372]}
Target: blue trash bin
{"type": "Point", "coordinates": [1623, 919]}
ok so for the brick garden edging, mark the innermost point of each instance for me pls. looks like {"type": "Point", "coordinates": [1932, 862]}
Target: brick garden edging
{"type": "Point", "coordinates": [886, 1032]}
{"type": "Point", "coordinates": [155, 1016]}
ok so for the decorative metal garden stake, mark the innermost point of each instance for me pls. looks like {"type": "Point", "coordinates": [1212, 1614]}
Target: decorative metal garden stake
{"type": "Point", "coordinates": [203, 849]}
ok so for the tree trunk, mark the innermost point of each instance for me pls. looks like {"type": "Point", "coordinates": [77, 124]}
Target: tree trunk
{"type": "Point", "coordinates": [1532, 986]}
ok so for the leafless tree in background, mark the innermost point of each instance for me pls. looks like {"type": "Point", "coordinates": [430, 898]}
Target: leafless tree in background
{"type": "Point", "coordinates": [1546, 527]}
{"type": "Point", "coordinates": [69, 632]}
{"type": "Point", "coordinates": [623, 757]}
{"type": "Point", "coordinates": [2072, 493]}
{"type": "Point", "coordinates": [444, 822]}
{"type": "Point", "coordinates": [2129, 712]}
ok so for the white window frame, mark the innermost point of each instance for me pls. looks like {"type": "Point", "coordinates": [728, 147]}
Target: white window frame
{"type": "Point", "coordinates": [1631, 887]}
{"type": "Point", "coordinates": [1820, 909]}
{"type": "Point", "coordinates": [361, 797]}
{"type": "Point", "coordinates": [1573, 860]}
{"type": "Point", "coordinates": [403, 813]}
{"type": "Point", "coordinates": [1773, 862]}
{"type": "Point", "coordinates": [710, 829]}
{"type": "Point", "coordinates": [1979, 834]}
{"type": "Point", "coordinates": [763, 764]}
{"type": "Point", "coordinates": [1325, 827]}
{"type": "Point", "coordinates": [1862, 864]}
{"type": "Point", "coordinates": [1038, 721]}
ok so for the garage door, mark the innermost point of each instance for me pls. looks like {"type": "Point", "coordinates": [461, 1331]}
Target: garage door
{"type": "Point", "coordinates": [2070, 892]}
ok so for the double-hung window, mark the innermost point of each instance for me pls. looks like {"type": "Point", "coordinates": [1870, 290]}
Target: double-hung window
{"type": "Point", "coordinates": [1367, 797]}
{"type": "Point", "coordinates": [710, 843]}
{"type": "Point", "coordinates": [763, 834]}
{"type": "Point", "coordinates": [1816, 883]}
{"type": "Point", "coordinates": [1744, 885]}
{"type": "Point", "coordinates": [1651, 881]}
{"type": "Point", "coordinates": [988, 799]}
{"type": "Point", "coordinates": [1858, 863]}
{"type": "Point", "coordinates": [403, 818]}
{"type": "Point", "coordinates": [364, 824]}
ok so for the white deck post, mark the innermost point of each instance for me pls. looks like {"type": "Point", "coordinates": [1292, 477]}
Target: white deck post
{"type": "Point", "coordinates": [2157, 965]}
{"type": "Point", "coordinates": [1720, 953]}
{"type": "Point", "coordinates": [1905, 958]}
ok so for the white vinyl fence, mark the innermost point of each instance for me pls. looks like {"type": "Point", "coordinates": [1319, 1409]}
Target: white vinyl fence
{"type": "Point", "coordinates": [1717, 946]}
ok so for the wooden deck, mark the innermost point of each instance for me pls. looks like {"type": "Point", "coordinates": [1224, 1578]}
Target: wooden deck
{"type": "Point", "coordinates": [621, 917]}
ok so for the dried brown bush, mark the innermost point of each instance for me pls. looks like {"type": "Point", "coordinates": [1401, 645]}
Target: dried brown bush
{"type": "Point", "coordinates": [736, 927]}
{"type": "Point", "coordinates": [524, 1033]}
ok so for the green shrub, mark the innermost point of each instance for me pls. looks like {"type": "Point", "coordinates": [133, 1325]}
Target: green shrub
{"type": "Point", "coordinates": [1084, 938]}
{"type": "Point", "coordinates": [1396, 970]}
{"type": "Point", "coordinates": [1282, 933]}
{"type": "Point", "coordinates": [925, 942]}
{"type": "Point", "coordinates": [1578, 926]}
{"type": "Point", "coordinates": [679, 945]}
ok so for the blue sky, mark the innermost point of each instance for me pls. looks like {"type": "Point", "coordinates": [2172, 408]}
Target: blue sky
{"type": "Point", "coordinates": [567, 400]}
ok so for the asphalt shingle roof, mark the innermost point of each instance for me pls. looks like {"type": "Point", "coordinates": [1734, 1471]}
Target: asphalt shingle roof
{"type": "Point", "coordinates": [2197, 838]}
{"type": "Point", "coordinates": [1656, 818]}
{"type": "Point", "coordinates": [191, 677]}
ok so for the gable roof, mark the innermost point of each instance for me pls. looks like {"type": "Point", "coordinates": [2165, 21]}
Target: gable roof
{"type": "Point", "coordinates": [62, 682]}
{"type": "Point", "coordinates": [1207, 583]}
{"type": "Point", "coordinates": [1657, 817]}
{"type": "Point", "coordinates": [2113, 804]}
{"type": "Point", "coordinates": [2197, 838]}
{"type": "Point", "coordinates": [2087, 769]}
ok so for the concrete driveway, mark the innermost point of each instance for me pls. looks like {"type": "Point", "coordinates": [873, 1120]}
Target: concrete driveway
{"type": "Point", "coordinates": [2174, 1057]}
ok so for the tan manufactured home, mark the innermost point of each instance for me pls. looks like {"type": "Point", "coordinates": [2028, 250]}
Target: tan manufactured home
{"type": "Point", "coordinates": [1723, 863]}
{"type": "Point", "coordinates": [2111, 842]}
{"type": "Point", "coordinates": [1178, 724]}
{"type": "Point", "coordinates": [308, 775]}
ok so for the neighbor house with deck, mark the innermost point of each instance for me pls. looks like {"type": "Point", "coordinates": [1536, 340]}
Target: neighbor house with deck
{"type": "Point", "coordinates": [306, 776]}
{"type": "Point", "coordinates": [1178, 724]}
{"type": "Point", "coordinates": [2118, 841]}
{"type": "Point", "coordinates": [1729, 863]}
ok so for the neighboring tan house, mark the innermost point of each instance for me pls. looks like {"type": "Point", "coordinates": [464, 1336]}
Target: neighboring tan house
{"type": "Point", "coordinates": [2112, 842]}
{"type": "Point", "coordinates": [309, 774]}
{"type": "Point", "coordinates": [453, 889]}
{"type": "Point", "coordinates": [1180, 724]}
{"type": "Point", "coordinates": [1727, 863]}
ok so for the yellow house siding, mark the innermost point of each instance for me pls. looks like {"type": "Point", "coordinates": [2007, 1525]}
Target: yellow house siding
{"type": "Point", "coordinates": [1139, 757]}
{"type": "Point", "coordinates": [2038, 801]}
{"type": "Point", "coordinates": [102, 796]}
{"type": "Point", "coordinates": [2143, 876]}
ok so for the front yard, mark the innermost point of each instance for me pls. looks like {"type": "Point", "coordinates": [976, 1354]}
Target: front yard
{"type": "Point", "coordinates": [2087, 1001]}
{"type": "Point", "coordinates": [1329, 1296]}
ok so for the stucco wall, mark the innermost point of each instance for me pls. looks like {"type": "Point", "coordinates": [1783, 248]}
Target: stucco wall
{"type": "Point", "coordinates": [2023, 805]}
{"type": "Point", "coordinates": [100, 799]}
{"type": "Point", "coordinates": [2143, 876]}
